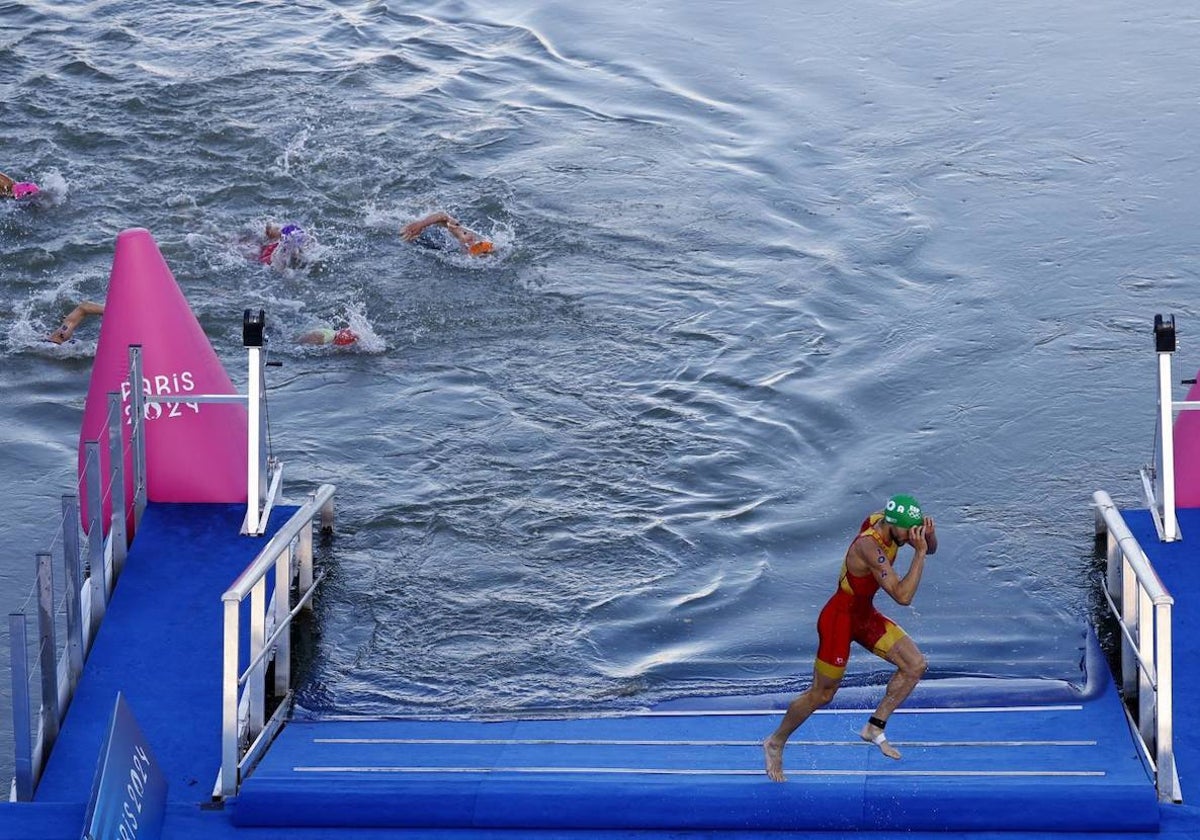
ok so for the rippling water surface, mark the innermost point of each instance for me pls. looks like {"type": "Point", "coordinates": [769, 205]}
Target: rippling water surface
{"type": "Point", "coordinates": [758, 267]}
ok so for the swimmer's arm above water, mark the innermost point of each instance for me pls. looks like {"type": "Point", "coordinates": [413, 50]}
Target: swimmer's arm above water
{"type": "Point", "coordinates": [74, 318]}
{"type": "Point", "coordinates": [475, 244]}
{"type": "Point", "coordinates": [414, 229]}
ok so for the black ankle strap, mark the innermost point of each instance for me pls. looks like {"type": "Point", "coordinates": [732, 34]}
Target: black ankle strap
{"type": "Point", "coordinates": [877, 723]}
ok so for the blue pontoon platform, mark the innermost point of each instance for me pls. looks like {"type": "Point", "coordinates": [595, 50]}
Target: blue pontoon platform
{"type": "Point", "coordinates": [1069, 766]}
{"type": "Point", "coordinates": [1062, 761]}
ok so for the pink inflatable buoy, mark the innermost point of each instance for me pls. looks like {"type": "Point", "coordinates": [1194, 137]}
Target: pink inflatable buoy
{"type": "Point", "coordinates": [195, 452]}
{"type": "Point", "coordinates": [1187, 454]}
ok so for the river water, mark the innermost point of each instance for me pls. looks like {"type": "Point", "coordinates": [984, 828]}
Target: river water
{"type": "Point", "coordinates": [758, 267]}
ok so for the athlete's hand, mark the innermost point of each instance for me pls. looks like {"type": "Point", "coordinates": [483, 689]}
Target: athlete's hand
{"type": "Point", "coordinates": [916, 538]}
{"type": "Point", "coordinates": [931, 540]}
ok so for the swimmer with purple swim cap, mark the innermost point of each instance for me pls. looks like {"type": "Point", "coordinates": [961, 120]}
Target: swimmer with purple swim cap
{"type": "Point", "coordinates": [291, 236]}
{"type": "Point", "coordinates": [17, 189]}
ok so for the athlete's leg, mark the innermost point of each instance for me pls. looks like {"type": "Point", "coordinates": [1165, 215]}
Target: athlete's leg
{"type": "Point", "coordinates": [819, 694]}
{"type": "Point", "coordinates": [910, 667]}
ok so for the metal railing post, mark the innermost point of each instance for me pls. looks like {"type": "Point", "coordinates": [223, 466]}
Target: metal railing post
{"type": "Point", "coordinates": [21, 708]}
{"type": "Point", "coordinates": [137, 432]}
{"type": "Point", "coordinates": [47, 651]}
{"type": "Point", "coordinates": [1129, 608]}
{"type": "Point", "coordinates": [327, 516]}
{"type": "Point", "coordinates": [253, 340]}
{"type": "Point", "coordinates": [1147, 682]}
{"type": "Point", "coordinates": [95, 533]}
{"type": "Point", "coordinates": [256, 680]}
{"type": "Point", "coordinates": [116, 470]}
{"type": "Point", "coordinates": [1165, 738]}
{"type": "Point", "coordinates": [304, 561]}
{"type": "Point", "coordinates": [253, 454]}
{"type": "Point", "coordinates": [1113, 557]}
{"type": "Point", "coordinates": [229, 701]}
{"type": "Point", "coordinates": [283, 606]}
{"type": "Point", "coordinates": [1166, 419]}
{"type": "Point", "coordinates": [74, 580]}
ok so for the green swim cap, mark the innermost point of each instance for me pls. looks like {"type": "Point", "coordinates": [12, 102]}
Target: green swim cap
{"type": "Point", "coordinates": [903, 511]}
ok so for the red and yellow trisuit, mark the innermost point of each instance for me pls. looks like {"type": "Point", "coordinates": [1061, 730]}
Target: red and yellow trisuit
{"type": "Point", "coordinates": [850, 615]}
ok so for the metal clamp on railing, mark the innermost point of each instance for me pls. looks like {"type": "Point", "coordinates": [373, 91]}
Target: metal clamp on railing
{"type": "Point", "coordinates": [1142, 607]}
{"type": "Point", "coordinates": [245, 732]}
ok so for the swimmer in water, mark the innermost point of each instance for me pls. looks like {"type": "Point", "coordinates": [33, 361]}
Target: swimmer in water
{"type": "Point", "coordinates": [74, 318]}
{"type": "Point", "coordinates": [291, 235]}
{"type": "Point", "coordinates": [273, 233]}
{"type": "Point", "coordinates": [474, 244]}
{"type": "Point", "coordinates": [17, 189]}
{"type": "Point", "coordinates": [329, 336]}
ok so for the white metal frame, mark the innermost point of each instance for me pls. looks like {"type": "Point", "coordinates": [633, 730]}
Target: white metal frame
{"type": "Point", "coordinates": [258, 500]}
{"type": "Point", "coordinates": [1142, 607]}
{"type": "Point", "coordinates": [1165, 518]}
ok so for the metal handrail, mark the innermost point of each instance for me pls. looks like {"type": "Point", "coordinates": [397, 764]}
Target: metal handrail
{"type": "Point", "coordinates": [262, 564]}
{"type": "Point", "coordinates": [270, 640]}
{"type": "Point", "coordinates": [59, 667]}
{"type": "Point", "coordinates": [1138, 561]}
{"type": "Point", "coordinates": [1142, 607]}
{"type": "Point", "coordinates": [248, 689]}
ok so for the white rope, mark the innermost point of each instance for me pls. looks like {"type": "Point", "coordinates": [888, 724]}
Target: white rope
{"type": "Point", "coordinates": [28, 598]}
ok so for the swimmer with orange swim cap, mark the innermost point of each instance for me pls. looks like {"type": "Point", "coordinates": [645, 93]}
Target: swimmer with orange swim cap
{"type": "Point", "coordinates": [17, 189]}
{"type": "Point", "coordinates": [326, 335]}
{"type": "Point", "coordinates": [474, 244]}
{"type": "Point", "coordinates": [850, 615]}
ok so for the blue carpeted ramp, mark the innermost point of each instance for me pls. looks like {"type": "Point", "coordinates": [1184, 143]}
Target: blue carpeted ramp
{"type": "Point", "coordinates": [161, 645]}
{"type": "Point", "coordinates": [1066, 766]}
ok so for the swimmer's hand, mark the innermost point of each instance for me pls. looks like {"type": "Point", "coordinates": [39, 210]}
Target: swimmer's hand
{"type": "Point", "coordinates": [61, 335]}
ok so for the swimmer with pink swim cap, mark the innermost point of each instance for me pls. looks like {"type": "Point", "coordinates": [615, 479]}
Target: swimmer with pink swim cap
{"type": "Point", "coordinates": [17, 189]}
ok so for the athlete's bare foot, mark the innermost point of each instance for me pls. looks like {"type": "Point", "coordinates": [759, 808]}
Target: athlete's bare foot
{"type": "Point", "coordinates": [774, 755]}
{"type": "Point", "coordinates": [873, 734]}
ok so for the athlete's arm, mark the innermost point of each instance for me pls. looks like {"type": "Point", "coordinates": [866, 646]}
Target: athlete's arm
{"type": "Point", "coordinates": [413, 229]}
{"type": "Point", "coordinates": [901, 589]}
{"type": "Point", "coordinates": [930, 536]}
{"type": "Point", "coordinates": [465, 236]}
{"type": "Point", "coordinates": [74, 318]}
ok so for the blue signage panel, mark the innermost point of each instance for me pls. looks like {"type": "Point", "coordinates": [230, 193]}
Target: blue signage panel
{"type": "Point", "coordinates": [129, 796]}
